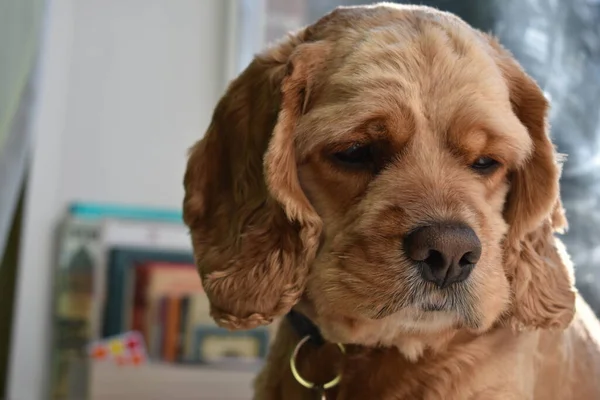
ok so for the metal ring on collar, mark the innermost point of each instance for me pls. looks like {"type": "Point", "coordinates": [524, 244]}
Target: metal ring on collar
{"type": "Point", "coordinates": [310, 385]}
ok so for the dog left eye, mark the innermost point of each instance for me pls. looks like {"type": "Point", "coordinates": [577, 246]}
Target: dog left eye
{"type": "Point", "coordinates": [355, 155]}
{"type": "Point", "coordinates": [485, 165]}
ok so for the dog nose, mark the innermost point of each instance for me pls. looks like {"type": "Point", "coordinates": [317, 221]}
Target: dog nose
{"type": "Point", "coordinates": [445, 253]}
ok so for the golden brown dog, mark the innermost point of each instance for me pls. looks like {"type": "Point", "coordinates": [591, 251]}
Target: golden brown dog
{"type": "Point", "coordinates": [388, 173]}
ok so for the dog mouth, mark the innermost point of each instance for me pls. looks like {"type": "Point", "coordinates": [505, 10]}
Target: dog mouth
{"type": "Point", "coordinates": [455, 300]}
{"type": "Point", "coordinates": [426, 306]}
{"type": "Point", "coordinates": [432, 307]}
{"type": "Point", "coordinates": [426, 298]}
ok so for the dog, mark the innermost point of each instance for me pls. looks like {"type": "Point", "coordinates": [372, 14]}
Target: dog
{"type": "Point", "coordinates": [386, 175]}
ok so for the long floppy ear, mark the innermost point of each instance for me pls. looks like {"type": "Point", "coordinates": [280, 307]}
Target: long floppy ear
{"type": "Point", "coordinates": [253, 230]}
{"type": "Point", "coordinates": [540, 271]}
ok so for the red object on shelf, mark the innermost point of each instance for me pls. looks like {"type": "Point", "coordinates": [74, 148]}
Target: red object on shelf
{"type": "Point", "coordinates": [125, 349]}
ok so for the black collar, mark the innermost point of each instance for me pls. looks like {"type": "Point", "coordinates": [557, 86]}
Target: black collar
{"type": "Point", "coordinates": [305, 327]}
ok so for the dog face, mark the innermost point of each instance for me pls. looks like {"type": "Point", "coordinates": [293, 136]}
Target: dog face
{"type": "Point", "coordinates": [389, 168]}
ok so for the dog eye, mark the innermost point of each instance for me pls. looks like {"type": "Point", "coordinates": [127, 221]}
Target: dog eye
{"type": "Point", "coordinates": [356, 155]}
{"type": "Point", "coordinates": [485, 165]}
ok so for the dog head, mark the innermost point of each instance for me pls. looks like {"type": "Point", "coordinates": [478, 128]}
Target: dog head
{"type": "Point", "coordinates": [388, 168]}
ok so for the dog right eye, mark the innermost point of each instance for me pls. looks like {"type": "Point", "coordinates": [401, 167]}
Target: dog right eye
{"type": "Point", "coordinates": [356, 155]}
{"type": "Point", "coordinates": [485, 165]}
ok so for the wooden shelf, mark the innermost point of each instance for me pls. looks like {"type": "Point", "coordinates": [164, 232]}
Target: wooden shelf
{"type": "Point", "coordinates": [173, 382]}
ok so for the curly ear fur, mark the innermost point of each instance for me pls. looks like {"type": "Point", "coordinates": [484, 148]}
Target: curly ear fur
{"type": "Point", "coordinates": [253, 230]}
{"type": "Point", "coordinates": [540, 272]}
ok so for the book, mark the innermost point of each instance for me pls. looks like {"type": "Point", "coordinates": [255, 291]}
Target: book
{"type": "Point", "coordinates": [157, 313]}
{"type": "Point", "coordinates": [198, 314]}
{"type": "Point", "coordinates": [155, 279]}
{"type": "Point", "coordinates": [129, 300]}
{"type": "Point", "coordinates": [120, 261]}
{"type": "Point", "coordinates": [213, 344]}
{"type": "Point", "coordinates": [183, 327]}
{"type": "Point", "coordinates": [171, 328]}
{"type": "Point", "coordinates": [131, 234]}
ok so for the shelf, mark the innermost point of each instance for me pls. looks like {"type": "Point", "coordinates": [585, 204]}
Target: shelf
{"type": "Point", "coordinates": [166, 381]}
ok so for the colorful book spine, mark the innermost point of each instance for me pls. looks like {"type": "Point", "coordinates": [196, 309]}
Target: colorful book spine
{"type": "Point", "coordinates": [183, 327]}
{"type": "Point", "coordinates": [171, 329]}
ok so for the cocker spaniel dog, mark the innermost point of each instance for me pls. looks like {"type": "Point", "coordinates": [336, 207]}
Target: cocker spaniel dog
{"type": "Point", "coordinates": [385, 179]}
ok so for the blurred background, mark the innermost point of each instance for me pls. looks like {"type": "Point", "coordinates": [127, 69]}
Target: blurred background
{"type": "Point", "coordinates": [99, 101]}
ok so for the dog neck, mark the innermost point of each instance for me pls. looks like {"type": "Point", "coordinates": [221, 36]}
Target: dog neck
{"type": "Point", "coordinates": [319, 360]}
{"type": "Point", "coordinates": [382, 370]}
{"type": "Point", "coordinates": [313, 351]}
{"type": "Point", "coordinates": [411, 346]}
{"type": "Point", "coordinates": [303, 327]}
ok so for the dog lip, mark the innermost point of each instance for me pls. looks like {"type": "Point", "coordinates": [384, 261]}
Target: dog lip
{"type": "Point", "coordinates": [433, 307]}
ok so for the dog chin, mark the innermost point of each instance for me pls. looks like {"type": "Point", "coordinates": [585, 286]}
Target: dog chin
{"type": "Point", "coordinates": [428, 318]}
{"type": "Point", "coordinates": [412, 321]}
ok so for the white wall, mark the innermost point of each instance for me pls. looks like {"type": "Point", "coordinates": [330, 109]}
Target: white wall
{"type": "Point", "coordinates": [145, 75]}
{"type": "Point", "coordinates": [125, 87]}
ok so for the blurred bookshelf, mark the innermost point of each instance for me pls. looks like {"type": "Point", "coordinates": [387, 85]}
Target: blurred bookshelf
{"type": "Point", "coordinates": [131, 320]}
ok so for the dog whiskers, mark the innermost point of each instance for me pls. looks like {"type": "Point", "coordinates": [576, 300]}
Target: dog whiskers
{"type": "Point", "coordinates": [341, 256]}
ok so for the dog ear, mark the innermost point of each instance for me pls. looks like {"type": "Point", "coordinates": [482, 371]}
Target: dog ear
{"type": "Point", "coordinates": [253, 230]}
{"type": "Point", "coordinates": [540, 272]}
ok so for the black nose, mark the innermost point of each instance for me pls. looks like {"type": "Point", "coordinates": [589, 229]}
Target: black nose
{"type": "Point", "coordinates": [445, 253]}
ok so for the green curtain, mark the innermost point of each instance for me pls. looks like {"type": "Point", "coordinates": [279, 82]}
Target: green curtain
{"type": "Point", "coordinates": [20, 33]}
{"type": "Point", "coordinates": [20, 24]}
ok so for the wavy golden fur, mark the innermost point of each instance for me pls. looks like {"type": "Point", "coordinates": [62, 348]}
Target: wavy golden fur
{"type": "Point", "coordinates": [277, 222]}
